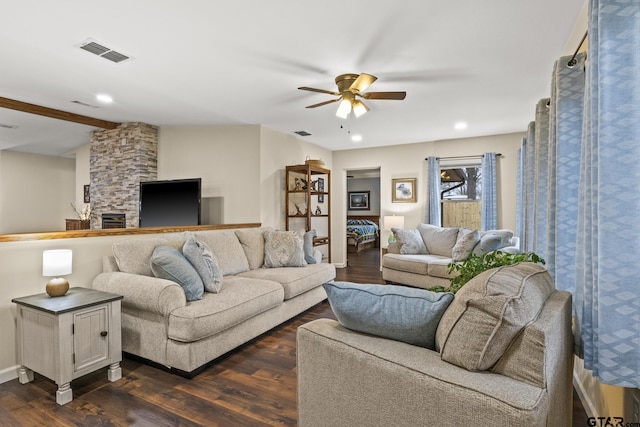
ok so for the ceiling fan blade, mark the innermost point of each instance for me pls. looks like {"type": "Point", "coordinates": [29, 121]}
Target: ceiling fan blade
{"type": "Point", "coordinates": [384, 95]}
{"type": "Point", "coordinates": [324, 103]}
{"type": "Point", "coordinates": [311, 89]}
{"type": "Point", "coordinates": [362, 83]}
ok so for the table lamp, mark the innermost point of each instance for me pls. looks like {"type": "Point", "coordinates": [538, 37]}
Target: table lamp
{"type": "Point", "coordinates": [393, 221]}
{"type": "Point", "coordinates": [56, 263]}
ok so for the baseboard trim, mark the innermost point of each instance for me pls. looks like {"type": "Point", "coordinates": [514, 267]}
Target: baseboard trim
{"type": "Point", "coordinates": [587, 403]}
{"type": "Point", "coordinates": [9, 374]}
{"type": "Point", "coordinates": [339, 264]}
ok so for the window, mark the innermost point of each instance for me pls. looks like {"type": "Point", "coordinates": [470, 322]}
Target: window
{"type": "Point", "coordinates": [461, 183]}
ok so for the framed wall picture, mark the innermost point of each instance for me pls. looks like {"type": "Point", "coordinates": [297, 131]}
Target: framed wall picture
{"type": "Point", "coordinates": [403, 190]}
{"type": "Point", "coordinates": [87, 196]}
{"type": "Point", "coordinates": [359, 200]}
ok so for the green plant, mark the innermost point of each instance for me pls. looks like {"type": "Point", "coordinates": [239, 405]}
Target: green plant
{"type": "Point", "coordinates": [475, 264]}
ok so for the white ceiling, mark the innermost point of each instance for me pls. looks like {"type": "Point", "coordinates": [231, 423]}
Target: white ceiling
{"type": "Point", "coordinates": [201, 62]}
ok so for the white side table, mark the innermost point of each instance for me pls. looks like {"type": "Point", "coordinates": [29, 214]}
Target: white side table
{"type": "Point", "coordinates": [63, 338]}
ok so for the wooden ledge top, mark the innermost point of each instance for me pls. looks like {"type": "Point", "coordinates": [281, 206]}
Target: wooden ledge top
{"type": "Point", "coordinates": [21, 237]}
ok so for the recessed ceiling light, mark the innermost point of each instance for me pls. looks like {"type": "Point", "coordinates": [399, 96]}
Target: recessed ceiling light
{"type": "Point", "coordinates": [103, 97]}
{"type": "Point", "coordinates": [460, 126]}
{"type": "Point", "coordinates": [356, 138]}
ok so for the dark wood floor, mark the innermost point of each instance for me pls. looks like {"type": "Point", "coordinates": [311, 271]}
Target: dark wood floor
{"type": "Point", "coordinates": [252, 386]}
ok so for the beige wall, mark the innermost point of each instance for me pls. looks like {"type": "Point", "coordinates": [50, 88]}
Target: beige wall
{"type": "Point", "coordinates": [227, 158]}
{"type": "Point", "coordinates": [407, 161]}
{"type": "Point", "coordinates": [82, 171]}
{"type": "Point", "coordinates": [35, 192]}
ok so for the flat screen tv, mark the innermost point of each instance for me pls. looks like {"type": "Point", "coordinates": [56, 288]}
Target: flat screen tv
{"type": "Point", "coordinates": [170, 203]}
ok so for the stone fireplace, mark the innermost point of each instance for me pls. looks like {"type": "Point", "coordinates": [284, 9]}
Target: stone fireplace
{"type": "Point", "coordinates": [119, 160]}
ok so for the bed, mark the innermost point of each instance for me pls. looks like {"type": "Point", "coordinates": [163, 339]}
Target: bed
{"type": "Point", "coordinates": [362, 232]}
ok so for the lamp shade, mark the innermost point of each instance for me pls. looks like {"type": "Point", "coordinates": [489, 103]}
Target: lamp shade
{"type": "Point", "coordinates": [57, 262]}
{"type": "Point", "coordinates": [393, 221]}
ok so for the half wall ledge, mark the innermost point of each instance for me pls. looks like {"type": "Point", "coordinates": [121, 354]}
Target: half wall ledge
{"type": "Point", "coordinates": [21, 237]}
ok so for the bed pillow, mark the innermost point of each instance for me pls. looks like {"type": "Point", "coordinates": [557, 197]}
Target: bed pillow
{"type": "Point", "coordinates": [284, 249]}
{"type": "Point", "coordinates": [396, 312]}
{"type": "Point", "coordinates": [411, 241]}
{"type": "Point", "coordinates": [199, 254]}
{"type": "Point", "coordinates": [169, 263]}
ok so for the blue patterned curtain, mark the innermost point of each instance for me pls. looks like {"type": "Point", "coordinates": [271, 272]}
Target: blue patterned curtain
{"type": "Point", "coordinates": [529, 178]}
{"type": "Point", "coordinates": [607, 296]}
{"type": "Point", "coordinates": [432, 211]}
{"type": "Point", "coordinates": [541, 183]}
{"type": "Point", "coordinates": [489, 208]}
{"type": "Point", "coordinates": [565, 134]}
{"type": "Point", "coordinates": [520, 194]}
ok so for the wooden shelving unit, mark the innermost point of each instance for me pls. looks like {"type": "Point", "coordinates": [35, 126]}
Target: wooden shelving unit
{"type": "Point", "coordinates": [308, 202]}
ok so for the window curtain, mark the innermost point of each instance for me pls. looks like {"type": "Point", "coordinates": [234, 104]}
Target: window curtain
{"type": "Point", "coordinates": [489, 215]}
{"type": "Point", "coordinates": [607, 295]}
{"type": "Point", "coordinates": [565, 134]}
{"type": "Point", "coordinates": [520, 193]}
{"type": "Point", "coordinates": [541, 183]}
{"type": "Point", "coordinates": [529, 178]}
{"type": "Point", "coordinates": [432, 211]}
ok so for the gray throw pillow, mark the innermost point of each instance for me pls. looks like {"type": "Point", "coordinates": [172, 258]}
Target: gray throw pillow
{"type": "Point", "coordinates": [284, 249]}
{"type": "Point", "coordinates": [492, 240]}
{"type": "Point", "coordinates": [489, 312]}
{"type": "Point", "coordinates": [396, 312]}
{"type": "Point", "coordinates": [464, 246]}
{"type": "Point", "coordinates": [439, 240]}
{"type": "Point", "coordinates": [168, 263]}
{"type": "Point", "coordinates": [199, 254]}
{"type": "Point", "coordinates": [308, 246]}
{"type": "Point", "coordinates": [411, 241]}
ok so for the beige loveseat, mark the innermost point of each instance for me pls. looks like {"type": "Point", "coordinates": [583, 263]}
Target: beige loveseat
{"type": "Point", "coordinates": [503, 357]}
{"type": "Point", "coordinates": [158, 324]}
{"type": "Point", "coordinates": [421, 257]}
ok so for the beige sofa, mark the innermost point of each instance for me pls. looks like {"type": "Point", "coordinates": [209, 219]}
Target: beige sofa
{"type": "Point", "coordinates": [425, 263]}
{"type": "Point", "coordinates": [483, 372]}
{"type": "Point", "coordinates": [159, 325]}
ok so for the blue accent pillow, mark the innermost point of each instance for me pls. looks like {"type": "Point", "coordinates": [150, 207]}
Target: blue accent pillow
{"type": "Point", "coordinates": [396, 312]}
{"type": "Point", "coordinates": [199, 254]}
{"type": "Point", "coordinates": [308, 246]}
{"type": "Point", "coordinates": [169, 263]}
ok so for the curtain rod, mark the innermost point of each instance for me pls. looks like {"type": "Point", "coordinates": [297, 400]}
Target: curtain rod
{"type": "Point", "coordinates": [477, 156]}
{"type": "Point", "coordinates": [573, 61]}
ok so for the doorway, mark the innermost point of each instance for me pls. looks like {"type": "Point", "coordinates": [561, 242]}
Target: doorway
{"type": "Point", "coordinates": [363, 212]}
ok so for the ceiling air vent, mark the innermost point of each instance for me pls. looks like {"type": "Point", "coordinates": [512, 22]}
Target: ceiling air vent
{"type": "Point", "coordinates": [84, 104]}
{"type": "Point", "coordinates": [4, 126]}
{"type": "Point", "coordinates": [105, 52]}
{"type": "Point", "coordinates": [302, 132]}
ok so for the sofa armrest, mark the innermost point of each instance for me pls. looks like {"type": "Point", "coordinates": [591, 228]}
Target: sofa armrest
{"type": "Point", "coordinates": [346, 378]}
{"type": "Point", "coordinates": [142, 292]}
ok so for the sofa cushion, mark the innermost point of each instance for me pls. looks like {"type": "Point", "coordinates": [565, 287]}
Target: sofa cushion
{"type": "Point", "coordinates": [227, 249]}
{"type": "Point", "coordinates": [438, 240]}
{"type": "Point", "coordinates": [464, 245]}
{"type": "Point", "coordinates": [239, 299]}
{"type": "Point", "coordinates": [417, 264]}
{"type": "Point", "coordinates": [412, 243]}
{"type": "Point", "coordinates": [492, 240]}
{"type": "Point", "coordinates": [169, 263]}
{"type": "Point", "coordinates": [252, 241]}
{"type": "Point", "coordinates": [134, 255]}
{"type": "Point", "coordinates": [199, 254]}
{"type": "Point", "coordinates": [307, 246]}
{"type": "Point", "coordinates": [295, 281]}
{"type": "Point", "coordinates": [439, 267]}
{"type": "Point", "coordinates": [284, 249]}
{"type": "Point", "coordinates": [489, 312]}
{"type": "Point", "coordinates": [396, 312]}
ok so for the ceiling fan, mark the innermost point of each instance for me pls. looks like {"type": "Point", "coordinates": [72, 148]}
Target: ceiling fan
{"type": "Point", "coordinates": [350, 88]}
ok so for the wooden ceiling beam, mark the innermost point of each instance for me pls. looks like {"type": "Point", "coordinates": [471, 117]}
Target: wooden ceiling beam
{"type": "Point", "coordinates": [12, 104]}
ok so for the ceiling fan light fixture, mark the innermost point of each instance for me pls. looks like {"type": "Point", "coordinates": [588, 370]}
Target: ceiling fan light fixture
{"type": "Point", "coordinates": [359, 108]}
{"type": "Point", "coordinates": [344, 109]}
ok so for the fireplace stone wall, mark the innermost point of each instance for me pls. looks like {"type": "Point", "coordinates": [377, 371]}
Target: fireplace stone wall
{"type": "Point", "coordinates": [119, 160]}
